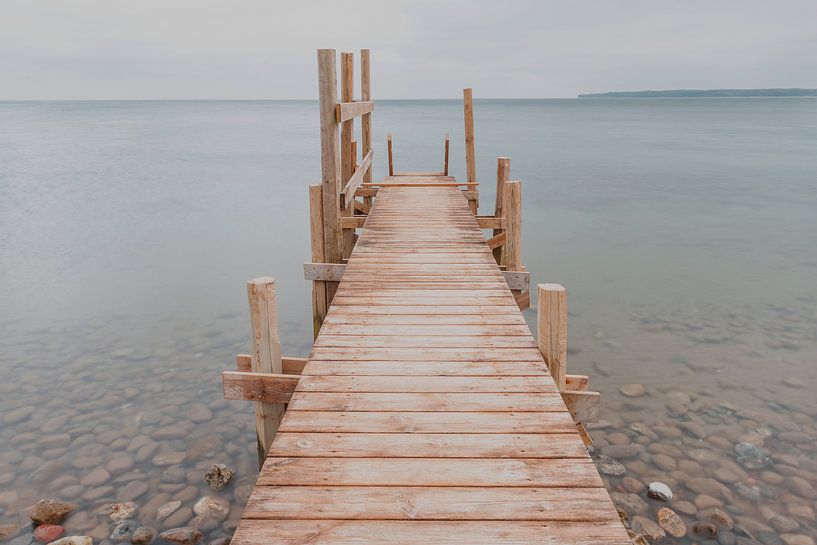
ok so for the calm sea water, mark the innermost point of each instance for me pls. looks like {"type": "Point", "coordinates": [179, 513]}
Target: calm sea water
{"type": "Point", "coordinates": [684, 229]}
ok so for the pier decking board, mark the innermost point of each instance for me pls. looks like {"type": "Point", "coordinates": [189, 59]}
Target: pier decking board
{"type": "Point", "coordinates": [425, 412]}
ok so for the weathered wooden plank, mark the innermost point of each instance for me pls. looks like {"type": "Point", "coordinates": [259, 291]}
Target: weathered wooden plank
{"type": "Point", "coordinates": [347, 194]}
{"type": "Point", "coordinates": [427, 422]}
{"type": "Point", "coordinates": [489, 472]}
{"type": "Point", "coordinates": [261, 387]}
{"type": "Point", "coordinates": [517, 280]}
{"type": "Point", "coordinates": [583, 405]}
{"type": "Point", "coordinates": [429, 354]}
{"type": "Point", "coordinates": [420, 384]}
{"type": "Point", "coordinates": [431, 503]}
{"type": "Point", "coordinates": [431, 341]}
{"type": "Point", "coordinates": [324, 271]}
{"type": "Point", "coordinates": [449, 532]}
{"type": "Point", "coordinates": [353, 222]}
{"type": "Point", "coordinates": [441, 402]}
{"type": "Point", "coordinates": [432, 368]}
{"type": "Point", "coordinates": [429, 445]}
{"type": "Point", "coordinates": [346, 111]}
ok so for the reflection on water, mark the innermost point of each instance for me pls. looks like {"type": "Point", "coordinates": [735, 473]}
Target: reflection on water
{"type": "Point", "coordinates": [684, 231]}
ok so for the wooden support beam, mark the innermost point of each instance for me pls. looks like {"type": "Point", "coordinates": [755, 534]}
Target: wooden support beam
{"type": "Point", "coordinates": [551, 320]}
{"type": "Point", "coordinates": [347, 195]}
{"type": "Point", "coordinates": [586, 439]}
{"type": "Point", "coordinates": [366, 95]}
{"type": "Point", "coordinates": [391, 157]}
{"type": "Point", "coordinates": [522, 299]}
{"type": "Point", "coordinates": [583, 405]}
{"type": "Point", "coordinates": [470, 194]}
{"type": "Point", "coordinates": [243, 362]}
{"type": "Point", "coordinates": [421, 184]}
{"type": "Point", "coordinates": [445, 160]}
{"type": "Point", "coordinates": [347, 157]}
{"type": "Point", "coordinates": [346, 111]}
{"type": "Point", "coordinates": [289, 365]}
{"type": "Point", "coordinates": [353, 222]}
{"type": "Point", "coordinates": [517, 280]}
{"type": "Point", "coordinates": [330, 161]}
{"type": "Point", "coordinates": [496, 241]}
{"type": "Point", "coordinates": [320, 298]}
{"type": "Point", "coordinates": [266, 356]}
{"type": "Point", "coordinates": [490, 222]}
{"type": "Point", "coordinates": [361, 207]}
{"type": "Point", "coordinates": [327, 272]}
{"type": "Point", "coordinates": [266, 388]}
{"type": "Point", "coordinates": [503, 175]}
{"type": "Point", "coordinates": [366, 192]}
{"type": "Point", "coordinates": [577, 382]}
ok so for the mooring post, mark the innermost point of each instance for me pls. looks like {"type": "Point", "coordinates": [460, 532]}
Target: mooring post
{"type": "Point", "coordinates": [470, 152]}
{"type": "Point", "coordinates": [266, 357]}
{"type": "Point", "coordinates": [391, 160]}
{"type": "Point", "coordinates": [551, 326]}
{"type": "Point", "coordinates": [319, 300]}
{"type": "Point", "coordinates": [445, 161]}
{"type": "Point", "coordinates": [503, 175]}
{"type": "Point", "coordinates": [330, 162]}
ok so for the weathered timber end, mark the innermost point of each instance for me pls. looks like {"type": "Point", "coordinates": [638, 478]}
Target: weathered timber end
{"type": "Point", "coordinates": [426, 411]}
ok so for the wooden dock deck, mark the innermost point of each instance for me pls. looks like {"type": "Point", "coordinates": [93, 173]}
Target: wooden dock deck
{"type": "Point", "coordinates": [426, 411]}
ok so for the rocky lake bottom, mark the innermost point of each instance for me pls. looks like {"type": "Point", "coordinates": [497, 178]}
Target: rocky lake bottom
{"type": "Point", "coordinates": [713, 443]}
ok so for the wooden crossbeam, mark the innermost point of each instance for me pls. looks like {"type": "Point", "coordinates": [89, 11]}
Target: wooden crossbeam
{"type": "Point", "coordinates": [583, 405]}
{"type": "Point", "coordinates": [517, 280]}
{"type": "Point", "coordinates": [491, 222]}
{"type": "Point", "coordinates": [262, 387]}
{"type": "Point", "coordinates": [497, 240]}
{"type": "Point", "coordinates": [345, 111]}
{"type": "Point", "coordinates": [353, 222]}
{"type": "Point", "coordinates": [347, 195]}
{"type": "Point", "coordinates": [421, 184]}
{"type": "Point", "coordinates": [361, 207]}
{"type": "Point", "coordinates": [290, 365]}
{"type": "Point", "coordinates": [366, 192]}
{"type": "Point", "coordinates": [577, 382]}
{"type": "Point", "coordinates": [327, 272]}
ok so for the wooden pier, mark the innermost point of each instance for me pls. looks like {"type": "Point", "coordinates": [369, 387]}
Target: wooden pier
{"type": "Point", "coordinates": [426, 412]}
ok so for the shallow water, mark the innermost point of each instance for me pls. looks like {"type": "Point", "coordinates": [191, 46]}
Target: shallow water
{"type": "Point", "coordinates": [684, 229]}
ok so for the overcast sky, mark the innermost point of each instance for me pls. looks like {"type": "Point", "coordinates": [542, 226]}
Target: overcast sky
{"type": "Point", "coordinates": [101, 49]}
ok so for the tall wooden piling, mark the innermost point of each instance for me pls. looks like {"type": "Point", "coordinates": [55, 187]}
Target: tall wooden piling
{"type": "Point", "coordinates": [391, 157]}
{"type": "Point", "coordinates": [330, 161]}
{"type": "Point", "coordinates": [319, 299]}
{"type": "Point", "coordinates": [470, 148]}
{"type": "Point", "coordinates": [445, 160]}
{"type": "Point", "coordinates": [366, 119]}
{"type": "Point", "coordinates": [551, 320]}
{"type": "Point", "coordinates": [503, 175]}
{"type": "Point", "coordinates": [347, 147]}
{"type": "Point", "coordinates": [266, 357]}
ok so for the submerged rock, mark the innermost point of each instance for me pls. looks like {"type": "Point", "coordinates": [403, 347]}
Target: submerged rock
{"type": "Point", "coordinates": [47, 533]}
{"type": "Point", "coordinates": [49, 511]}
{"type": "Point", "coordinates": [143, 536]}
{"type": "Point", "coordinates": [633, 390]}
{"type": "Point", "coordinates": [218, 476]}
{"type": "Point", "coordinates": [671, 522]}
{"type": "Point", "coordinates": [212, 507]}
{"type": "Point", "coordinates": [74, 540]}
{"type": "Point", "coordinates": [118, 511]}
{"type": "Point", "coordinates": [659, 491]}
{"type": "Point", "coordinates": [123, 531]}
{"type": "Point", "coordinates": [186, 535]}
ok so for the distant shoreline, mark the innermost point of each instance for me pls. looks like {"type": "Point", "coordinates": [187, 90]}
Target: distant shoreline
{"type": "Point", "coordinates": [696, 93]}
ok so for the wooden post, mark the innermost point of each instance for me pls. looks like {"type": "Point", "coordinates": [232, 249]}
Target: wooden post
{"type": "Point", "coordinates": [319, 302]}
{"type": "Point", "coordinates": [391, 161]}
{"type": "Point", "coordinates": [445, 162]}
{"type": "Point", "coordinates": [551, 320]}
{"type": "Point", "coordinates": [347, 157]}
{"type": "Point", "coordinates": [330, 161]}
{"type": "Point", "coordinates": [470, 152]}
{"type": "Point", "coordinates": [512, 212]}
{"type": "Point", "coordinates": [366, 120]}
{"type": "Point", "coordinates": [503, 175]}
{"type": "Point", "coordinates": [266, 357]}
